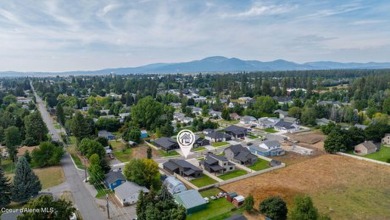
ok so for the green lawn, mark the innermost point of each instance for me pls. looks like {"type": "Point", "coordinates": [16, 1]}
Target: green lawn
{"type": "Point", "coordinates": [117, 145]}
{"type": "Point", "coordinates": [270, 130]}
{"type": "Point", "coordinates": [123, 156]}
{"type": "Point", "coordinates": [214, 210]}
{"type": "Point", "coordinates": [163, 153]}
{"type": "Point", "coordinates": [210, 192]}
{"type": "Point", "coordinates": [102, 191]}
{"type": "Point", "coordinates": [203, 181]}
{"type": "Point", "coordinates": [382, 155]}
{"type": "Point", "coordinates": [57, 126]}
{"type": "Point", "coordinates": [8, 166]}
{"type": "Point", "coordinates": [198, 149]}
{"type": "Point", "coordinates": [232, 174]}
{"type": "Point", "coordinates": [251, 136]}
{"type": "Point", "coordinates": [259, 165]}
{"type": "Point", "coordinates": [219, 144]}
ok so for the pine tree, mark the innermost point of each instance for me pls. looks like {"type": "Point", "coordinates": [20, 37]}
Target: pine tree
{"type": "Point", "coordinates": [149, 153]}
{"type": "Point", "coordinates": [25, 184]}
{"type": "Point", "coordinates": [5, 190]}
{"type": "Point", "coordinates": [60, 114]}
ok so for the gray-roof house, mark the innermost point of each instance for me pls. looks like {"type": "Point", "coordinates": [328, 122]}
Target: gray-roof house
{"type": "Point", "coordinates": [128, 192]}
{"type": "Point", "coordinates": [174, 185]}
{"type": "Point", "coordinates": [166, 143]}
{"type": "Point", "coordinates": [182, 167]}
{"type": "Point", "coordinates": [217, 136]}
{"type": "Point", "coordinates": [265, 122]}
{"type": "Point", "coordinates": [191, 200]}
{"type": "Point", "coordinates": [365, 148]}
{"type": "Point", "coordinates": [281, 113]}
{"type": "Point", "coordinates": [236, 131]}
{"type": "Point", "coordinates": [267, 148]}
{"type": "Point", "coordinates": [106, 134]}
{"type": "Point", "coordinates": [240, 154]}
{"type": "Point", "coordinates": [114, 178]}
{"type": "Point", "coordinates": [286, 126]}
{"type": "Point", "coordinates": [217, 164]}
{"type": "Point", "coordinates": [322, 121]}
{"type": "Point", "coordinates": [248, 120]}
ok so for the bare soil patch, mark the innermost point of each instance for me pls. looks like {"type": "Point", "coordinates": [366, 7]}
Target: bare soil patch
{"type": "Point", "coordinates": [140, 152]}
{"type": "Point", "coordinates": [344, 188]}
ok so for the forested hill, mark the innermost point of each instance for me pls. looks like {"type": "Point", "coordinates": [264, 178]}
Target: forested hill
{"type": "Point", "coordinates": [214, 64]}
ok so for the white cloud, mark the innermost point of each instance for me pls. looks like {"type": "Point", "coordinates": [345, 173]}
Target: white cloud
{"type": "Point", "coordinates": [262, 10]}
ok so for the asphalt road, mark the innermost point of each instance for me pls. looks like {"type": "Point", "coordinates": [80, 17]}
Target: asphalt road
{"type": "Point", "coordinates": [85, 203]}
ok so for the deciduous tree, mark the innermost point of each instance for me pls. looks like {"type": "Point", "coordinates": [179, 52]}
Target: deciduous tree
{"type": "Point", "coordinates": [143, 172]}
{"type": "Point", "coordinates": [303, 209]}
{"type": "Point", "coordinates": [274, 207]}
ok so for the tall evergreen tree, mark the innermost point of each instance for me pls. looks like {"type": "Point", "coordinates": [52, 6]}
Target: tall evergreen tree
{"type": "Point", "coordinates": [36, 129]}
{"type": "Point", "coordinates": [149, 153]}
{"type": "Point", "coordinates": [25, 184]}
{"type": "Point", "coordinates": [5, 190]}
{"type": "Point", "coordinates": [60, 114]}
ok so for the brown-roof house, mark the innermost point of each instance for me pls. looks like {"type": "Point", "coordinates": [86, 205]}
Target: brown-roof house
{"type": "Point", "coordinates": [365, 148]}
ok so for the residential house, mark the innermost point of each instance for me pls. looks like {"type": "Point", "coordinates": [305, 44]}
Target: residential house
{"type": "Point", "coordinates": [331, 103]}
{"type": "Point", "coordinates": [248, 120]}
{"type": "Point", "coordinates": [108, 150]}
{"type": "Point", "coordinates": [240, 154]}
{"type": "Point", "coordinates": [245, 100]}
{"type": "Point", "coordinates": [231, 105]}
{"type": "Point", "coordinates": [363, 127]}
{"type": "Point", "coordinates": [217, 164]}
{"type": "Point", "coordinates": [166, 143]}
{"type": "Point", "coordinates": [267, 148]}
{"type": "Point", "coordinates": [281, 113]}
{"type": "Point", "coordinates": [191, 200]}
{"type": "Point", "coordinates": [196, 110]}
{"type": "Point", "coordinates": [217, 136]}
{"type": "Point", "coordinates": [104, 111]}
{"type": "Point", "coordinates": [234, 116]}
{"type": "Point", "coordinates": [322, 121]}
{"type": "Point", "coordinates": [175, 105]}
{"type": "Point", "coordinates": [200, 99]}
{"type": "Point", "coordinates": [123, 116]}
{"type": "Point", "coordinates": [215, 114]}
{"type": "Point", "coordinates": [266, 122]}
{"type": "Point", "coordinates": [236, 131]}
{"type": "Point", "coordinates": [286, 126]}
{"type": "Point", "coordinates": [199, 141]}
{"type": "Point", "coordinates": [208, 131]}
{"type": "Point", "coordinates": [114, 178]}
{"type": "Point", "coordinates": [106, 134]}
{"type": "Point", "coordinates": [365, 148]}
{"type": "Point", "coordinates": [386, 139]}
{"type": "Point", "coordinates": [23, 100]}
{"type": "Point", "coordinates": [174, 185]}
{"type": "Point", "coordinates": [128, 192]}
{"type": "Point", "coordinates": [182, 167]}
{"type": "Point", "coordinates": [283, 100]}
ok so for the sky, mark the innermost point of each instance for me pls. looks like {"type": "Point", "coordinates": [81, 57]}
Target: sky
{"type": "Point", "coordinates": [63, 35]}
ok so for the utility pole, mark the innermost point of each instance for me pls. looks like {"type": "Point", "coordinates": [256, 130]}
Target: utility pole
{"type": "Point", "coordinates": [108, 207]}
{"type": "Point", "coordinates": [85, 169]}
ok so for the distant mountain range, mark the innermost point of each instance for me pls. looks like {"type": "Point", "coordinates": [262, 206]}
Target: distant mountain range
{"type": "Point", "coordinates": [214, 64]}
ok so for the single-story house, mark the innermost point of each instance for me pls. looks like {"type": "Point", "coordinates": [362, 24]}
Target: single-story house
{"type": "Point", "coordinates": [285, 126]}
{"type": "Point", "coordinates": [365, 148]}
{"type": "Point", "coordinates": [114, 178]}
{"type": "Point", "coordinates": [196, 110]}
{"type": "Point", "coordinates": [106, 134]}
{"type": "Point", "coordinates": [208, 131]}
{"type": "Point", "coordinates": [108, 150]}
{"type": "Point", "coordinates": [282, 114]}
{"type": "Point", "coordinates": [386, 139]}
{"type": "Point", "coordinates": [182, 167]}
{"type": "Point", "coordinates": [215, 114]}
{"type": "Point", "coordinates": [166, 143]}
{"type": "Point", "coordinates": [199, 141]}
{"type": "Point", "coordinates": [267, 148]}
{"type": "Point", "coordinates": [248, 120]}
{"type": "Point", "coordinates": [363, 127]}
{"type": "Point", "coordinates": [234, 116]}
{"type": "Point", "coordinates": [174, 185]}
{"type": "Point", "coordinates": [191, 200]}
{"type": "Point", "coordinates": [266, 122]}
{"type": "Point", "coordinates": [128, 192]}
{"type": "Point", "coordinates": [322, 121]}
{"type": "Point", "coordinates": [240, 154]}
{"type": "Point", "coordinates": [283, 100]}
{"type": "Point", "coordinates": [236, 131]}
{"type": "Point", "coordinates": [217, 136]}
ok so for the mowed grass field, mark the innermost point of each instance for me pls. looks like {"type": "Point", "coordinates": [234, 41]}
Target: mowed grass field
{"type": "Point", "coordinates": [49, 176]}
{"type": "Point", "coordinates": [342, 187]}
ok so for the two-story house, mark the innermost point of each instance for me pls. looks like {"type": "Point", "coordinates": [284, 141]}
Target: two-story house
{"type": "Point", "coordinates": [217, 164]}
{"type": "Point", "coordinates": [240, 154]}
{"type": "Point", "coordinates": [267, 148]}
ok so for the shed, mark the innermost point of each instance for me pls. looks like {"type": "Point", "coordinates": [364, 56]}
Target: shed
{"type": "Point", "coordinates": [238, 200]}
{"type": "Point", "coordinates": [365, 148]}
{"type": "Point", "coordinates": [191, 200]}
{"type": "Point", "coordinates": [230, 196]}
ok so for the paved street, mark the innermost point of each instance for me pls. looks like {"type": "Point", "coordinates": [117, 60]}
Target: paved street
{"type": "Point", "coordinates": [85, 203]}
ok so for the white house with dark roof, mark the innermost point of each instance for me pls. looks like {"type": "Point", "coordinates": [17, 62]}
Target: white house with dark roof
{"type": "Point", "coordinates": [283, 125]}
{"type": "Point", "coordinates": [248, 120]}
{"type": "Point", "coordinates": [217, 136]}
{"type": "Point", "coordinates": [127, 193]}
{"type": "Point", "coordinates": [266, 122]}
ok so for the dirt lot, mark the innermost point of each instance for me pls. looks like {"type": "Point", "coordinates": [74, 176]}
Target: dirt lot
{"type": "Point", "coordinates": [140, 152]}
{"type": "Point", "coordinates": [292, 158]}
{"type": "Point", "coordinates": [344, 188]}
